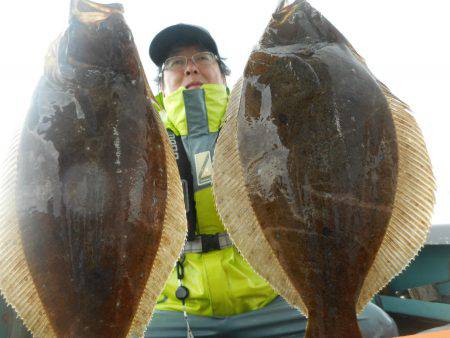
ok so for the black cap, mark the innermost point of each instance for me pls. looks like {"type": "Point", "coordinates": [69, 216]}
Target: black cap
{"type": "Point", "coordinates": [171, 36]}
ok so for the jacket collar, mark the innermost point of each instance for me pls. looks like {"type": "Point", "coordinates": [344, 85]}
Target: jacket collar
{"type": "Point", "coordinates": [173, 107]}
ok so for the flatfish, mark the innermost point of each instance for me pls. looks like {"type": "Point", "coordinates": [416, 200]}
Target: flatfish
{"type": "Point", "coordinates": [321, 175]}
{"type": "Point", "coordinates": [92, 218]}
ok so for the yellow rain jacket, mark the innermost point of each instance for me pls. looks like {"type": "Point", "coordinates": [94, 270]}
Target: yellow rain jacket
{"type": "Point", "coordinates": [220, 282]}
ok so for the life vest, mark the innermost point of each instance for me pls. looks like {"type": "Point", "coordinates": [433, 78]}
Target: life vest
{"type": "Point", "coordinates": [220, 281]}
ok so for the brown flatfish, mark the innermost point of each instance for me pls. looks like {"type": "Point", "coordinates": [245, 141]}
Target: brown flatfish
{"type": "Point", "coordinates": [92, 218]}
{"type": "Point", "coordinates": [321, 175]}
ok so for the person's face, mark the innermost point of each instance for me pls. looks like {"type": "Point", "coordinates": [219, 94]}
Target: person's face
{"type": "Point", "coordinates": [192, 76]}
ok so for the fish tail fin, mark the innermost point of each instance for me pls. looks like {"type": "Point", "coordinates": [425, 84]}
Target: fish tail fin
{"type": "Point", "coordinates": [87, 11]}
{"type": "Point", "coordinates": [284, 3]}
{"type": "Point", "coordinates": [281, 4]}
{"type": "Point", "coordinates": [413, 203]}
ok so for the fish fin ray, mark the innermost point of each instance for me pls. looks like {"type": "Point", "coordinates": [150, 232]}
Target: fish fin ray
{"type": "Point", "coordinates": [16, 283]}
{"type": "Point", "coordinates": [413, 203]}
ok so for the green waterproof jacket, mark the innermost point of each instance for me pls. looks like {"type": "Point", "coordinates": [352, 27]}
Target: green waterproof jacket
{"type": "Point", "coordinates": [220, 282]}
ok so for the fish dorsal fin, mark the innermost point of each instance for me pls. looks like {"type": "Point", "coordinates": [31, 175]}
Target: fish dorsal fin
{"type": "Point", "coordinates": [235, 208]}
{"type": "Point", "coordinates": [16, 282]}
{"type": "Point", "coordinates": [413, 204]}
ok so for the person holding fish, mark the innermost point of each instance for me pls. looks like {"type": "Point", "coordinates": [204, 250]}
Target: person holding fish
{"type": "Point", "coordinates": [213, 291]}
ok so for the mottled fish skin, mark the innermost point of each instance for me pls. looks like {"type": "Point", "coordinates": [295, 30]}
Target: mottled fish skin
{"type": "Point", "coordinates": [91, 178]}
{"type": "Point", "coordinates": [318, 147]}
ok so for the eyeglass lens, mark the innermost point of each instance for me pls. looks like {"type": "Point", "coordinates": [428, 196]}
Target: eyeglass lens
{"type": "Point", "coordinates": [180, 62]}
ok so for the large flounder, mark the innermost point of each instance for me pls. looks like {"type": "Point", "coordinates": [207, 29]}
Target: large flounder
{"type": "Point", "coordinates": [92, 216]}
{"type": "Point", "coordinates": [320, 174]}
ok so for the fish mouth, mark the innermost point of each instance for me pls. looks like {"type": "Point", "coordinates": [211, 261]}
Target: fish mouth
{"type": "Point", "coordinates": [195, 84]}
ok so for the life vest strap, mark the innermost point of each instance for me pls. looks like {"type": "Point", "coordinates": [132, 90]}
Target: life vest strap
{"type": "Point", "coordinates": [205, 243]}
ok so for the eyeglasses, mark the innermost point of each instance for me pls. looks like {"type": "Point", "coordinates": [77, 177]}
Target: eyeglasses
{"type": "Point", "coordinates": [178, 63]}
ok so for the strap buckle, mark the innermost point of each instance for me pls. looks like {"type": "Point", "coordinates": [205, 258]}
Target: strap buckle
{"type": "Point", "coordinates": [210, 243]}
{"type": "Point", "coordinates": [204, 243]}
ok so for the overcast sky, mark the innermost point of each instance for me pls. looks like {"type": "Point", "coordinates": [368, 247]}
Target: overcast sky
{"type": "Point", "coordinates": [404, 43]}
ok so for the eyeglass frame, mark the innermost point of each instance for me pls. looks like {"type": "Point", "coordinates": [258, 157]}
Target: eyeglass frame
{"type": "Point", "coordinates": [215, 57]}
